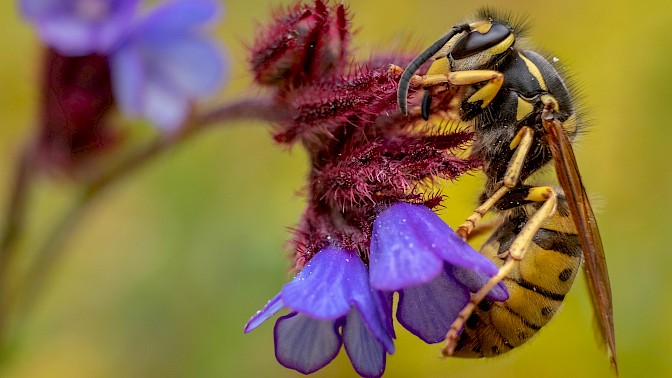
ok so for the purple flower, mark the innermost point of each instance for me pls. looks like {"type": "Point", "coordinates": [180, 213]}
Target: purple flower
{"type": "Point", "coordinates": [418, 255]}
{"type": "Point", "coordinates": [159, 63]}
{"type": "Point", "coordinates": [165, 62]}
{"type": "Point", "coordinates": [80, 27]}
{"type": "Point", "coordinates": [330, 293]}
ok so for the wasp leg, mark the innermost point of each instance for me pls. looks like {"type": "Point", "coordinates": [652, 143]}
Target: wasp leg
{"type": "Point", "coordinates": [484, 228]}
{"type": "Point", "coordinates": [513, 255]}
{"type": "Point", "coordinates": [522, 143]}
{"type": "Point", "coordinates": [440, 72]}
{"type": "Point", "coordinates": [485, 94]}
{"type": "Point", "coordinates": [417, 80]}
{"type": "Point", "coordinates": [430, 78]}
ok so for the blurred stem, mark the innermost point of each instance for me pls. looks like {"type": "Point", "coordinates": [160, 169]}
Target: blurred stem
{"type": "Point", "coordinates": [16, 208]}
{"type": "Point", "coordinates": [30, 287]}
{"type": "Point", "coordinates": [12, 230]}
{"type": "Point", "coordinates": [263, 109]}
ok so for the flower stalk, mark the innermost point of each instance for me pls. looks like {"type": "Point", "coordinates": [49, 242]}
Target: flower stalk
{"type": "Point", "coordinates": [18, 297]}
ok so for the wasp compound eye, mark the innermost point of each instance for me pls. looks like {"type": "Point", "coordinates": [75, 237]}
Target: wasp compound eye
{"type": "Point", "coordinates": [475, 41]}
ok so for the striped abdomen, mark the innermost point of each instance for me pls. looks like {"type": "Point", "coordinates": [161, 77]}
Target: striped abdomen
{"type": "Point", "coordinates": [537, 285]}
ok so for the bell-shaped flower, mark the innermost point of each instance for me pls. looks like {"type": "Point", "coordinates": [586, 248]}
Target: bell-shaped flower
{"type": "Point", "coordinates": [80, 27]}
{"type": "Point", "coordinates": [415, 253]}
{"type": "Point", "coordinates": [330, 304]}
{"type": "Point", "coordinates": [165, 62]}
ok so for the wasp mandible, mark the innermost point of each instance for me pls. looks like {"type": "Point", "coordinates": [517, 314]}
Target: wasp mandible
{"type": "Point", "coordinates": [524, 116]}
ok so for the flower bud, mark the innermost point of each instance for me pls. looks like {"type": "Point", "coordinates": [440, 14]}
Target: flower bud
{"type": "Point", "coordinates": [303, 44]}
{"type": "Point", "coordinates": [76, 98]}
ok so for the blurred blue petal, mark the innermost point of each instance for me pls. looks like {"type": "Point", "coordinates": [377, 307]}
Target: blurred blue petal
{"type": "Point", "coordinates": [366, 353]}
{"type": "Point", "coordinates": [67, 35]}
{"type": "Point", "coordinates": [305, 344]}
{"type": "Point", "coordinates": [36, 8]}
{"type": "Point", "coordinates": [128, 75]}
{"type": "Point", "coordinates": [190, 64]}
{"type": "Point", "coordinates": [177, 63]}
{"type": "Point", "coordinates": [80, 27]}
{"type": "Point", "coordinates": [163, 105]}
{"type": "Point", "coordinates": [177, 16]}
{"type": "Point", "coordinates": [428, 310]}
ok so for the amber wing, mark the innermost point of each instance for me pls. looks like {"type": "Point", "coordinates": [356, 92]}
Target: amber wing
{"type": "Point", "coordinates": [586, 225]}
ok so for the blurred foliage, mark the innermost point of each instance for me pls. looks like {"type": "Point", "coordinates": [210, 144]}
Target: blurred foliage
{"type": "Point", "coordinates": [165, 269]}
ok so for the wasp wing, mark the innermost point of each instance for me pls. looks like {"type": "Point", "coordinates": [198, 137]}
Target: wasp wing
{"type": "Point", "coordinates": [586, 225]}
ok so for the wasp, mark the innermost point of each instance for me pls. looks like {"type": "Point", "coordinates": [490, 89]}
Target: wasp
{"type": "Point", "coordinates": [524, 117]}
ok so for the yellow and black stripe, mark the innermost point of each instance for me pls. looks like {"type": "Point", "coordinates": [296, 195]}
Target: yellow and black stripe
{"type": "Point", "coordinates": [537, 286]}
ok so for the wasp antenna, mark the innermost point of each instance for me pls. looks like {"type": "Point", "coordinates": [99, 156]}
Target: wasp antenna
{"type": "Point", "coordinates": [405, 81]}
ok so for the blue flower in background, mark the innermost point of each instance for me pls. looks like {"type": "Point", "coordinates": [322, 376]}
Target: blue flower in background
{"type": "Point", "coordinates": [160, 62]}
{"type": "Point", "coordinates": [417, 254]}
{"type": "Point", "coordinates": [330, 293]}
{"type": "Point", "coordinates": [80, 27]}
{"type": "Point", "coordinates": [165, 62]}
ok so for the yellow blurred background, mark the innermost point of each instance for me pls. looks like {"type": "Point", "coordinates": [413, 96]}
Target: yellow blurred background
{"type": "Point", "coordinates": [164, 270]}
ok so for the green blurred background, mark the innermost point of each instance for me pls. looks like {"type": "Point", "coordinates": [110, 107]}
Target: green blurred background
{"type": "Point", "coordinates": [165, 269]}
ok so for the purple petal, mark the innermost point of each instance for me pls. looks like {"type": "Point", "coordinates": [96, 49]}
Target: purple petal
{"type": "Point", "coordinates": [178, 17]}
{"type": "Point", "coordinates": [400, 256]}
{"type": "Point", "coordinates": [370, 308]}
{"type": "Point", "coordinates": [376, 321]}
{"type": "Point", "coordinates": [383, 301]}
{"type": "Point", "coordinates": [366, 353]}
{"type": "Point", "coordinates": [192, 66]}
{"type": "Point", "coordinates": [438, 237]}
{"type": "Point", "coordinates": [128, 78]}
{"type": "Point", "coordinates": [35, 8]}
{"type": "Point", "coordinates": [164, 63]}
{"type": "Point", "coordinates": [79, 27]}
{"type": "Point", "coordinates": [428, 310]}
{"type": "Point", "coordinates": [273, 306]}
{"type": "Point", "coordinates": [164, 107]}
{"type": "Point", "coordinates": [305, 344]}
{"type": "Point", "coordinates": [457, 252]}
{"type": "Point", "coordinates": [139, 91]}
{"type": "Point", "coordinates": [409, 243]}
{"type": "Point", "coordinates": [324, 287]}
{"type": "Point", "coordinates": [474, 281]}
{"type": "Point", "coordinates": [67, 35]}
